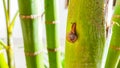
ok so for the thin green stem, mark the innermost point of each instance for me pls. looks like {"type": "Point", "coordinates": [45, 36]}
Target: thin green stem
{"type": "Point", "coordinates": [5, 10]}
{"type": "Point", "coordinates": [9, 50]}
{"type": "Point", "coordinates": [8, 22]}
{"type": "Point", "coordinates": [8, 6]}
{"type": "Point", "coordinates": [3, 44]}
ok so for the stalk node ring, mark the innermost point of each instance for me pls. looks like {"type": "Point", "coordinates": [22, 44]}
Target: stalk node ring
{"type": "Point", "coordinates": [33, 53]}
{"type": "Point", "coordinates": [30, 16]}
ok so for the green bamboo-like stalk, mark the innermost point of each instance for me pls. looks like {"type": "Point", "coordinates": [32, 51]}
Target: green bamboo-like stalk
{"type": "Point", "coordinates": [114, 50]}
{"type": "Point", "coordinates": [29, 11]}
{"type": "Point", "coordinates": [9, 50]}
{"type": "Point", "coordinates": [3, 63]}
{"type": "Point", "coordinates": [85, 34]}
{"type": "Point", "coordinates": [52, 34]}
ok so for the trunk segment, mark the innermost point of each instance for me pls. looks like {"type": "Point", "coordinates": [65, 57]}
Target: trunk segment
{"type": "Point", "coordinates": [29, 15]}
{"type": "Point", "coordinates": [114, 49]}
{"type": "Point", "coordinates": [87, 49]}
{"type": "Point", "coordinates": [52, 34]}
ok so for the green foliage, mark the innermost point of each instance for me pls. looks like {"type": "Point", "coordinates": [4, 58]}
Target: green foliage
{"type": "Point", "coordinates": [3, 62]}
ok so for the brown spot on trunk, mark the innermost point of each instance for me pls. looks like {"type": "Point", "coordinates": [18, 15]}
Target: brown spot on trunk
{"type": "Point", "coordinates": [72, 36]}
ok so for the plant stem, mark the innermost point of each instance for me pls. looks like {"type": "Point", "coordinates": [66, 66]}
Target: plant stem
{"type": "Point", "coordinates": [3, 44]}
{"type": "Point", "coordinates": [85, 34]}
{"type": "Point", "coordinates": [52, 34]}
{"type": "Point", "coordinates": [114, 49]}
{"type": "Point", "coordinates": [29, 16]}
{"type": "Point", "coordinates": [9, 51]}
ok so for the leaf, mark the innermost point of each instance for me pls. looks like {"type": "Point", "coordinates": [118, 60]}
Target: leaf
{"type": "Point", "coordinates": [3, 44]}
{"type": "Point", "coordinates": [14, 18]}
{"type": "Point", "coordinates": [116, 23]}
{"type": "Point", "coordinates": [13, 22]}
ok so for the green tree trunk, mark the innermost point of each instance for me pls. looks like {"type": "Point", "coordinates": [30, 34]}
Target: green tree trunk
{"type": "Point", "coordinates": [114, 50]}
{"type": "Point", "coordinates": [52, 34]}
{"type": "Point", "coordinates": [30, 20]}
{"type": "Point", "coordinates": [85, 34]}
